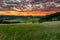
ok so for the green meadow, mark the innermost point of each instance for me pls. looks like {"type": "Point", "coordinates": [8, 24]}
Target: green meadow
{"type": "Point", "coordinates": [30, 31]}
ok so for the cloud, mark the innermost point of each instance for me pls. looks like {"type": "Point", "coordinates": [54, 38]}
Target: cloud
{"type": "Point", "coordinates": [33, 5]}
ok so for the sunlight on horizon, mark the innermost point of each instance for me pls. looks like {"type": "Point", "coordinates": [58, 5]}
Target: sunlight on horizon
{"type": "Point", "coordinates": [27, 13]}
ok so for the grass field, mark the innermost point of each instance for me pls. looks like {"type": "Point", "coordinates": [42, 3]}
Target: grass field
{"type": "Point", "coordinates": [30, 31]}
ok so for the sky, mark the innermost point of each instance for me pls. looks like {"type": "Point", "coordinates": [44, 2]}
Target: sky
{"type": "Point", "coordinates": [44, 6]}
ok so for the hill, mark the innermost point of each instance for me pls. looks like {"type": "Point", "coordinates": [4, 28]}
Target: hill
{"type": "Point", "coordinates": [55, 16]}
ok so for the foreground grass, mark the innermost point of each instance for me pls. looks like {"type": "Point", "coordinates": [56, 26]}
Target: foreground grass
{"type": "Point", "coordinates": [30, 32]}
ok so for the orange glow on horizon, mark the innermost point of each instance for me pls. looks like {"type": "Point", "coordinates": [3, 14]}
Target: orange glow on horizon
{"type": "Point", "coordinates": [26, 13]}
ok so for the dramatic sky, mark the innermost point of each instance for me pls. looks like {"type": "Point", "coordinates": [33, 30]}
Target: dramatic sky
{"type": "Point", "coordinates": [43, 6]}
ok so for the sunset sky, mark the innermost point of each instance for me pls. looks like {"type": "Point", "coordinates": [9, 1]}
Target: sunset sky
{"type": "Point", "coordinates": [29, 7]}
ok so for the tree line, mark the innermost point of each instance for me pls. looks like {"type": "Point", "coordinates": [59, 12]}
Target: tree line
{"type": "Point", "coordinates": [52, 17]}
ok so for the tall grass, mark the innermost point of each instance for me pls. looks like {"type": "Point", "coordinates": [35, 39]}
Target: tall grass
{"type": "Point", "coordinates": [29, 32]}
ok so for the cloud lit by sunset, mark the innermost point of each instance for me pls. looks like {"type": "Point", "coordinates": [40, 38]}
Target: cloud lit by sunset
{"type": "Point", "coordinates": [29, 7]}
{"type": "Point", "coordinates": [26, 13]}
